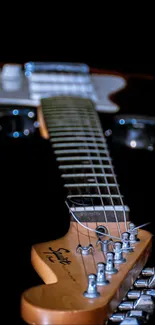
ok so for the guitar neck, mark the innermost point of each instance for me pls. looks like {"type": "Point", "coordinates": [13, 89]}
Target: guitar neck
{"type": "Point", "coordinates": [83, 159]}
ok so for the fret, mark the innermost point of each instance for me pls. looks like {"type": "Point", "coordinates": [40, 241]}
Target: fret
{"type": "Point", "coordinates": [82, 158]}
{"type": "Point", "coordinates": [99, 208]}
{"type": "Point", "coordinates": [94, 195]}
{"type": "Point", "coordinates": [100, 140]}
{"type": "Point", "coordinates": [55, 77]}
{"type": "Point", "coordinates": [83, 166]}
{"type": "Point", "coordinates": [60, 134]}
{"type": "Point", "coordinates": [88, 185]}
{"type": "Point", "coordinates": [58, 113]}
{"type": "Point", "coordinates": [82, 151]}
{"type": "Point", "coordinates": [80, 144]}
{"type": "Point", "coordinates": [70, 128]}
{"type": "Point", "coordinates": [37, 87]}
{"type": "Point", "coordinates": [86, 175]}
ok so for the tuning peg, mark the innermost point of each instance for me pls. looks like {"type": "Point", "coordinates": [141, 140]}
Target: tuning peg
{"type": "Point", "coordinates": [104, 245]}
{"type": "Point", "coordinates": [135, 294]}
{"type": "Point", "coordinates": [138, 314]}
{"type": "Point", "coordinates": [126, 243]}
{"type": "Point", "coordinates": [118, 257]}
{"type": "Point", "coordinates": [85, 250]}
{"type": "Point", "coordinates": [110, 267]}
{"type": "Point", "coordinates": [145, 283]}
{"type": "Point", "coordinates": [144, 302]}
{"type": "Point", "coordinates": [148, 271]}
{"type": "Point", "coordinates": [101, 278]}
{"type": "Point", "coordinates": [130, 321]}
{"type": "Point", "coordinates": [133, 233]}
{"type": "Point", "coordinates": [91, 291]}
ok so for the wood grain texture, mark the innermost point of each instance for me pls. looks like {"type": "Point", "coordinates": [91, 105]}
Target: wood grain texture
{"type": "Point", "coordinates": [61, 300]}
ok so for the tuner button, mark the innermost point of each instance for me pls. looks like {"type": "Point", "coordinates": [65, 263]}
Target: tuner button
{"type": "Point", "coordinates": [148, 271]}
{"type": "Point", "coordinates": [130, 321]}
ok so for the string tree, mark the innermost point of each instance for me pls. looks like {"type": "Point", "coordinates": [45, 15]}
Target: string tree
{"type": "Point", "coordinates": [85, 250]}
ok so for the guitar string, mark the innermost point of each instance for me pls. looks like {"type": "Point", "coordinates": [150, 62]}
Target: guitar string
{"type": "Point", "coordinates": [82, 256]}
{"type": "Point", "coordinates": [78, 188]}
{"type": "Point", "coordinates": [111, 199]}
{"type": "Point", "coordinates": [77, 224]}
{"type": "Point", "coordinates": [122, 203]}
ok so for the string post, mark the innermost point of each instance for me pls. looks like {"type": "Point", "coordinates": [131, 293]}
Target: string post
{"type": "Point", "coordinates": [133, 231]}
{"type": "Point", "coordinates": [118, 257]}
{"type": "Point", "coordinates": [126, 243]}
{"type": "Point", "coordinates": [104, 245]}
{"type": "Point", "coordinates": [101, 277]}
{"type": "Point", "coordinates": [110, 266]}
{"type": "Point", "coordinates": [85, 250]}
{"type": "Point", "coordinates": [91, 291]}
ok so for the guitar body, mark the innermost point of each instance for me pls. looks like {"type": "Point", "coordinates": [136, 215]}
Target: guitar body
{"type": "Point", "coordinates": [92, 213]}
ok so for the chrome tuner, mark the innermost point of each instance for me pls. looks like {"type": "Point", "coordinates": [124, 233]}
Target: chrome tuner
{"type": "Point", "coordinates": [104, 245]}
{"type": "Point", "coordinates": [126, 248]}
{"type": "Point", "coordinates": [118, 257]}
{"type": "Point", "coordinates": [144, 302]}
{"type": "Point", "coordinates": [138, 314]}
{"type": "Point", "coordinates": [130, 321]}
{"type": "Point", "coordinates": [148, 271]}
{"type": "Point", "coordinates": [101, 277]}
{"type": "Point", "coordinates": [85, 250]}
{"type": "Point", "coordinates": [110, 266]}
{"type": "Point", "coordinates": [133, 233]}
{"type": "Point", "coordinates": [92, 287]}
{"type": "Point", "coordinates": [135, 294]}
{"type": "Point", "coordinates": [145, 283]}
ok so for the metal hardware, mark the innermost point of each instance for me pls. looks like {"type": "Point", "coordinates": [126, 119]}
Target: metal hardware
{"type": "Point", "coordinates": [130, 321]}
{"type": "Point", "coordinates": [91, 291]}
{"type": "Point", "coordinates": [126, 243]}
{"type": "Point", "coordinates": [144, 302]}
{"type": "Point", "coordinates": [85, 250]}
{"type": "Point", "coordinates": [148, 271]}
{"type": "Point", "coordinates": [104, 245]}
{"type": "Point", "coordinates": [118, 257]}
{"type": "Point", "coordinates": [101, 229]}
{"type": "Point", "coordinates": [139, 314]}
{"type": "Point", "coordinates": [133, 233]}
{"type": "Point", "coordinates": [135, 294]}
{"type": "Point", "coordinates": [101, 278]}
{"type": "Point", "coordinates": [145, 283]}
{"type": "Point", "coordinates": [110, 267]}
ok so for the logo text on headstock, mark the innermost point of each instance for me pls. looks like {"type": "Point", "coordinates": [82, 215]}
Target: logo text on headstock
{"type": "Point", "coordinates": [58, 254]}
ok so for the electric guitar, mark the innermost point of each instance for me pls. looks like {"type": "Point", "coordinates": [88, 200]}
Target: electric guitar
{"type": "Point", "coordinates": [90, 270]}
{"type": "Point", "coordinates": [88, 273]}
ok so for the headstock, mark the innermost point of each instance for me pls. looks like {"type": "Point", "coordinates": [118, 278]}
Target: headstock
{"type": "Point", "coordinates": [66, 298]}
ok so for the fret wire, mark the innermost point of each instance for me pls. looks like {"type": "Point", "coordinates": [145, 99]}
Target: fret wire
{"type": "Point", "coordinates": [118, 226]}
{"type": "Point", "coordinates": [125, 221]}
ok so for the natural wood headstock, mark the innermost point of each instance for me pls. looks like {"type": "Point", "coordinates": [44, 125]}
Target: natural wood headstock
{"type": "Point", "coordinates": [63, 269]}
